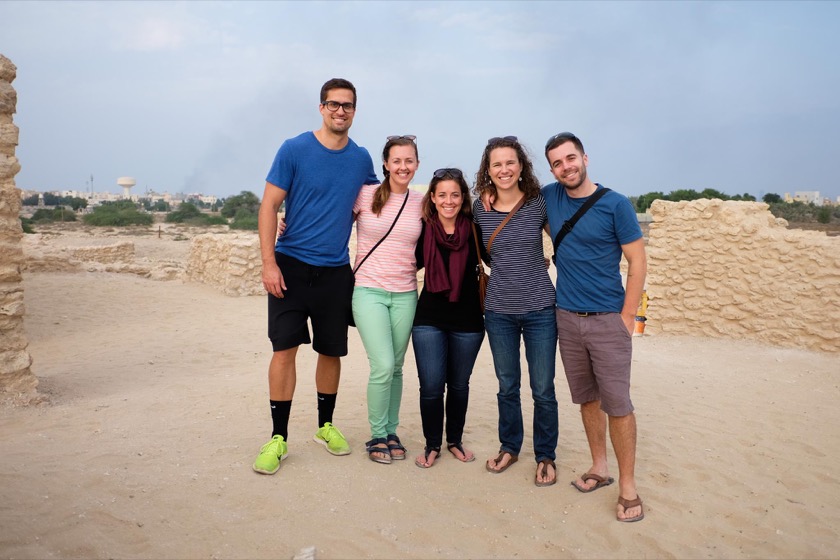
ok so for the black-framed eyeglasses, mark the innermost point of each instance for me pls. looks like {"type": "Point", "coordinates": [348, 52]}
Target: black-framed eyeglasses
{"type": "Point", "coordinates": [497, 139]}
{"type": "Point", "coordinates": [404, 136]}
{"type": "Point", "coordinates": [444, 172]}
{"type": "Point", "coordinates": [332, 106]}
{"type": "Point", "coordinates": [559, 138]}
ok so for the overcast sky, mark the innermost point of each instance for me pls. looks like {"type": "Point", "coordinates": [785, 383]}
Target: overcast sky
{"type": "Point", "coordinates": [197, 97]}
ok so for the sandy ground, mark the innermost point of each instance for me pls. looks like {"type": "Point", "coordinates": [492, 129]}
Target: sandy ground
{"type": "Point", "coordinates": [158, 406]}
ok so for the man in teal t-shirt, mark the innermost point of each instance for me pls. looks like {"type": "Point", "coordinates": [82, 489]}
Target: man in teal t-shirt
{"type": "Point", "coordinates": [595, 314]}
{"type": "Point", "coordinates": [306, 272]}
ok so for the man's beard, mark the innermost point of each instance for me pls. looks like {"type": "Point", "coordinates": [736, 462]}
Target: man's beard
{"type": "Point", "coordinates": [578, 183]}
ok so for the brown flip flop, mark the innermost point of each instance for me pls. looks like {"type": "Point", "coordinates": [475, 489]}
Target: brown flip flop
{"type": "Point", "coordinates": [547, 463]}
{"type": "Point", "coordinates": [513, 459]}
{"type": "Point", "coordinates": [627, 504]}
{"type": "Point", "coordinates": [600, 482]}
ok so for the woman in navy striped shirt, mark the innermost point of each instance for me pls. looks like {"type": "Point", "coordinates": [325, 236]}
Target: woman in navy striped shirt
{"type": "Point", "coordinates": [520, 302]}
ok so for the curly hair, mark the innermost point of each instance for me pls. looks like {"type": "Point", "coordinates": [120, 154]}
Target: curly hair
{"type": "Point", "coordinates": [380, 196]}
{"type": "Point", "coordinates": [529, 184]}
{"type": "Point", "coordinates": [451, 174]}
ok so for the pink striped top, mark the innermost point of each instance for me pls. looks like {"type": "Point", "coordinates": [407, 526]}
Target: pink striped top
{"type": "Point", "coordinates": [392, 266]}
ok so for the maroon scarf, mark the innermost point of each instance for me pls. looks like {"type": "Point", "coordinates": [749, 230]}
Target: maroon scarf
{"type": "Point", "coordinates": [440, 278]}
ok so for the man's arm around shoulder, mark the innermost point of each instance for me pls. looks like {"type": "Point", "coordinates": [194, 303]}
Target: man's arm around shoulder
{"type": "Point", "coordinates": [272, 278]}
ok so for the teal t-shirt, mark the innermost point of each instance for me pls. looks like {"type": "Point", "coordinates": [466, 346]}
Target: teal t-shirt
{"type": "Point", "coordinates": [588, 258]}
{"type": "Point", "coordinates": [321, 186]}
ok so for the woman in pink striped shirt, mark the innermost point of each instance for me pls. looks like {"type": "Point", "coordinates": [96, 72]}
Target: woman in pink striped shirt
{"type": "Point", "coordinates": [388, 224]}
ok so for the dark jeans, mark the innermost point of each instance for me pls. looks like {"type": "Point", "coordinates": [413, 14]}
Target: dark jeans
{"type": "Point", "coordinates": [539, 331]}
{"type": "Point", "coordinates": [445, 360]}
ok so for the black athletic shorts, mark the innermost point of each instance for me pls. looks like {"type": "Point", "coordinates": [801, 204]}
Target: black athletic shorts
{"type": "Point", "coordinates": [322, 294]}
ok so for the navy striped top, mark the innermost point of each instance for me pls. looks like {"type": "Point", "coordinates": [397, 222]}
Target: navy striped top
{"type": "Point", "coordinates": [519, 281]}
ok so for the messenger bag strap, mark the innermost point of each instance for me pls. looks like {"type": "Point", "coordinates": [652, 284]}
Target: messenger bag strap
{"type": "Point", "coordinates": [378, 243]}
{"type": "Point", "coordinates": [570, 223]}
{"type": "Point", "coordinates": [477, 248]}
{"type": "Point", "coordinates": [504, 222]}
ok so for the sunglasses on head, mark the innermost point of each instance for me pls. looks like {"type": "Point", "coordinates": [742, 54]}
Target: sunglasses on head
{"type": "Point", "coordinates": [404, 136]}
{"type": "Point", "coordinates": [562, 137]}
{"type": "Point", "coordinates": [497, 139]}
{"type": "Point", "coordinates": [452, 172]}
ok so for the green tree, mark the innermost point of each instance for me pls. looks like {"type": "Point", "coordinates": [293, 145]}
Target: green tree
{"type": "Point", "coordinates": [244, 200]}
{"type": "Point", "coordinates": [30, 200]}
{"type": "Point", "coordinates": [51, 199]}
{"type": "Point", "coordinates": [645, 200]}
{"type": "Point", "coordinates": [771, 198]}
{"type": "Point", "coordinates": [683, 194]}
{"type": "Point", "coordinates": [712, 193]}
{"type": "Point", "coordinates": [75, 202]}
{"type": "Point", "coordinates": [158, 205]}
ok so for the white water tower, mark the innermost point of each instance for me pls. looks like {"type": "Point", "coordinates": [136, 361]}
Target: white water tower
{"type": "Point", "coordinates": [126, 183]}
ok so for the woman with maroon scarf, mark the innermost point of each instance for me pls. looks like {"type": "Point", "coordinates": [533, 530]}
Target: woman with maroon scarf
{"type": "Point", "coordinates": [448, 324]}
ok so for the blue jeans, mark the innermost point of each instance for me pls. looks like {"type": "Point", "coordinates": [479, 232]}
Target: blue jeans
{"type": "Point", "coordinates": [445, 361]}
{"type": "Point", "coordinates": [539, 331]}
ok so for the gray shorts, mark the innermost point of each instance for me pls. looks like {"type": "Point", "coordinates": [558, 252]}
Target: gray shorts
{"type": "Point", "coordinates": [596, 351]}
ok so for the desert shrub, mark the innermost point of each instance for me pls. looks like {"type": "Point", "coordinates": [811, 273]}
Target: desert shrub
{"type": "Point", "coordinates": [189, 214]}
{"type": "Point", "coordinates": [244, 220]}
{"type": "Point", "coordinates": [121, 213]}
{"type": "Point", "coordinates": [215, 220]}
{"type": "Point", "coordinates": [26, 225]}
{"type": "Point", "coordinates": [824, 214]}
{"type": "Point", "coordinates": [797, 212]}
{"type": "Point", "coordinates": [60, 214]}
{"type": "Point", "coordinates": [186, 211]}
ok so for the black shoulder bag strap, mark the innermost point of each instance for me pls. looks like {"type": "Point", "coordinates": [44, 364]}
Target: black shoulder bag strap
{"type": "Point", "coordinates": [570, 223]}
{"type": "Point", "coordinates": [378, 243]}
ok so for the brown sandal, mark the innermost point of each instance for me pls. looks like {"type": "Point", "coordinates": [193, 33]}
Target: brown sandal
{"type": "Point", "coordinates": [547, 463]}
{"type": "Point", "coordinates": [513, 459]}
{"type": "Point", "coordinates": [600, 482]}
{"type": "Point", "coordinates": [627, 504]}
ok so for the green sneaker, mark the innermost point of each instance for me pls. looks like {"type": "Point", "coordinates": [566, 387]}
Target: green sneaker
{"type": "Point", "coordinates": [332, 439]}
{"type": "Point", "coordinates": [268, 461]}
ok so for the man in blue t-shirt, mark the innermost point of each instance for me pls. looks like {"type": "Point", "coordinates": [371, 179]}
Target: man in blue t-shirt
{"type": "Point", "coordinates": [595, 314]}
{"type": "Point", "coordinates": [306, 272]}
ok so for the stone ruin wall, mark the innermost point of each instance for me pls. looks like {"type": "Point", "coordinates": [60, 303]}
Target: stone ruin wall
{"type": "Point", "coordinates": [41, 256]}
{"type": "Point", "coordinates": [731, 269]}
{"type": "Point", "coordinates": [17, 382]}
{"type": "Point", "coordinates": [229, 262]}
{"type": "Point", "coordinates": [232, 262]}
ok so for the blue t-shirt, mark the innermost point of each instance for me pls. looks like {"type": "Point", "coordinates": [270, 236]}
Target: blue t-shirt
{"type": "Point", "coordinates": [588, 274]}
{"type": "Point", "coordinates": [321, 186]}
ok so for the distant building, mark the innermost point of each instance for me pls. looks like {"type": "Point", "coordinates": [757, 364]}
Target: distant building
{"type": "Point", "coordinates": [806, 197]}
{"type": "Point", "coordinates": [205, 199]}
{"type": "Point", "coordinates": [97, 198]}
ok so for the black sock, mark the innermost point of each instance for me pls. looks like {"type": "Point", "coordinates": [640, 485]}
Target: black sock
{"type": "Point", "coordinates": [280, 418]}
{"type": "Point", "coordinates": [326, 406]}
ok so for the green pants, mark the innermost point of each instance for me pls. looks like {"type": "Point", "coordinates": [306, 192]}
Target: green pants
{"type": "Point", "coordinates": [384, 321]}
